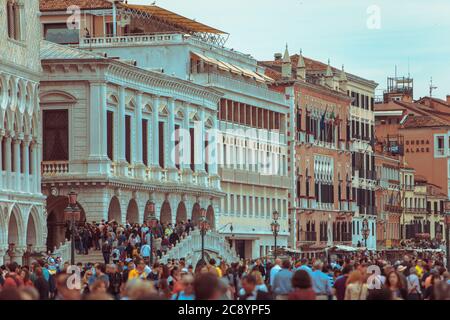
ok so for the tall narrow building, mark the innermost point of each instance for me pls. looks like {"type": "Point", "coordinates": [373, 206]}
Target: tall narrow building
{"type": "Point", "coordinates": [22, 214]}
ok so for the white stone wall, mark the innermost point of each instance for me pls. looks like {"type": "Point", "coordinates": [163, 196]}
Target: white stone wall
{"type": "Point", "coordinates": [22, 212]}
{"type": "Point", "coordinates": [25, 52]}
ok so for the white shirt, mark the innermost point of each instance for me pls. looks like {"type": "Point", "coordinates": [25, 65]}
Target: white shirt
{"type": "Point", "coordinates": [273, 272]}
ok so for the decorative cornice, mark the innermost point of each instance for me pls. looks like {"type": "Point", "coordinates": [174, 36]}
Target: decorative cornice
{"type": "Point", "coordinates": [160, 82]}
{"type": "Point", "coordinates": [152, 186]}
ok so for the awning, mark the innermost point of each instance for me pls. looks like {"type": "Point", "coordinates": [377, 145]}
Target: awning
{"type": "Point", "coordinates": [172, 18]}
{"type": "Point", "coordinates": [226, 66]}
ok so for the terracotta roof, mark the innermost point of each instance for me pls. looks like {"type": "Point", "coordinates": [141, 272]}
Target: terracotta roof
{"type": "Point", "coordinates": [391, 106]}
{"type": "Point", "coordinates": [62, 5]}
{"type": "Point", "coordinates": [424, 121]}
{"type": "Point", "coordinates": [163, 14]}
{"type": "Point", "coordinates": [427, 100]}
{"type": "Point", "coordinates": [311, 65]}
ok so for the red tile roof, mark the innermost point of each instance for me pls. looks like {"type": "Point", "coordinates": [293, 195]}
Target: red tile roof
{"type": "Point", "coordinates": [424, 122]}
{"type": "Point", "coordinates": [311, 65]}
{"type": "Point", "coordinates": [62, 5]}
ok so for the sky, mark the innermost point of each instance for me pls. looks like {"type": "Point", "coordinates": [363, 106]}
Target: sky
{"type": "Point", "coordinates": [369, 37]}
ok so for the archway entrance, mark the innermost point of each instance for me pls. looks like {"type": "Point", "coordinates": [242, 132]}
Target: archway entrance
{"type": "Point", "coordinates": [13, 232]}
{"type": "Point", "coordinates": [166, 213]}
{"type": "Point", "coordinates": [114, 212]}
{"type": "Point", "coordinates": [181, 213]}
{"type": "Point", "coordinates": [132, 212]}
{"type": "Point", "coordinates": [196, 214]}
{"type": "Point", "coordinates": [210, 217]}
{"type": "Point", "coordinates": [56, 224]}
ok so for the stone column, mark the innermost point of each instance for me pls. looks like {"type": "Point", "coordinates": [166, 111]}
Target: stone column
{"type": "Point", "coordinates": [16, 165]}
{"type": "Point", "coordinates": [34, 167]}
{"type": "Point", "coordinates": [172, 170]}
{"type": "Point", "coordinates": [139, 163]}
{"type": "Point", "coordinates": [199, 155]}
{"type": "Point", "coordinates": [2, 133]}
{"type": "Point", "coordinates": [122, 161]}
{"type": "Point", "coordinates": [213, 155]}
{"type": "Point", "coordinates": [98, 162]}
{"type": "Point", "coordinates": [185, 147]}
{"type": "Point", "coordinates": [8, 166]}
{"type": "Point", "coordinates": [156, 169]}
{"type": "Point", "coordinates": [26, 163]}
{"type": "Point", "coordinates": [2, 255]}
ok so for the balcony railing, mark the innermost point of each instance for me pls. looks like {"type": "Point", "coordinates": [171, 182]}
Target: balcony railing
{"type": "Point", "coordinates": [129, 40]}
{"type": "Point", "coordinates": [50, 168]}
{"type": "Point", "coordinates": [393, 208]}
{"type": "Point", "coordinates": [226, 82]}
{"type": "Point", "coordinates": [308, 236]}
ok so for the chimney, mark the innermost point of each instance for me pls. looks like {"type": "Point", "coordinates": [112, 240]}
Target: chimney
{"type": "Point", "coordinates": [278, 56]}
{"type": "Point", "coordinates": [448, 99]}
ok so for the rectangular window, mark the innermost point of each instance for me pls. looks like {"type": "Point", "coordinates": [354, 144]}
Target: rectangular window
{"type": "Point", "coordinates": [192, 134]}
{"type": "Point", "coordinates": [177, 146]}
{"type": "Point", "coordinates": [55, 135]}
{"type": "Point", "coordinates": [59, 33]}
{"type": "Point", "coordinates": [110, 134]}
{"type": "Point", "coordinates": [161, 145]}
{"type": "Point", "coordinates": [128, 138]}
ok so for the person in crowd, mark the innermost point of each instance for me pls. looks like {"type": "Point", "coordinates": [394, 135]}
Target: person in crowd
{"type": "Point", "coordinates": [356, 288]}
{"type": "Point", "coordinates": [321, 282]}
{"type": "Point", "coordinates": [413, 285]}
{"type": "Point", "coordinates": [340, 285]}
{"type": "Point", "coordinates": [282, 283]}
{"type": "Point", "coordinates": [395, 284]}
{"type": "Point", "coordinates": [302, 286]}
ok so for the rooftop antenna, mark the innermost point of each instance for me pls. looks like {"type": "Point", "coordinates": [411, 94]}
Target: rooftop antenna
{"type": "Point", "coordinates": [432, 87]}
{"type": "Point", "coordinates": [396, 71]}
{"type": "Point", "coordinates": [409, 73]}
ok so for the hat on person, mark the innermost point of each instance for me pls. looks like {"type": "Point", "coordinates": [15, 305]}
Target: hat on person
{"type": "Point", "coordinates": [401, 268]}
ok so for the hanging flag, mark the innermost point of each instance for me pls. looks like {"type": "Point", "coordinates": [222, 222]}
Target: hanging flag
{"type": "Point", "coordinates": [322, 120]}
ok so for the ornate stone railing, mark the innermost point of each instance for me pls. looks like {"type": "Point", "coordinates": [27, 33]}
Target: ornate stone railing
{"type": "Point", "coordinates": [191, 246]}
{"type": "Point", "coordinates": [129, 40]}
{"type": "Point", "coordinates": [63, 251]}
{"type": "Point", "coordinates": [54, 167]}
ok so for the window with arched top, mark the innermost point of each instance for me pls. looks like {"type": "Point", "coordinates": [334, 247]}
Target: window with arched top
{"type": "Point", "coordinates": [13, 17]}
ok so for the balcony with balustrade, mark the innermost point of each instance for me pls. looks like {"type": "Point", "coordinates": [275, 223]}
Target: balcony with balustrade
{"type": "Point", "coordinates": [67, 170]}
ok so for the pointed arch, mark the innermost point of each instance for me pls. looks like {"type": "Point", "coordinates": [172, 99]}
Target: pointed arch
{"type": "Point", "coordinates": [15, 226]}
{"type": "Point", "coordinates": [112, 99]}
{"type": "Point", "coordinates": [209, 123]}
{"type": "Point", "coordinates": [163, 111]}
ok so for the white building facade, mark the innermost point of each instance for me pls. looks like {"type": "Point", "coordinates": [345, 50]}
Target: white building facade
{"type": "Point", "coordinates": [22, 206]}
{"type": "Point", "coordinates": [114, 133]}
{"type": "Point", "coordinates": [252, 144]}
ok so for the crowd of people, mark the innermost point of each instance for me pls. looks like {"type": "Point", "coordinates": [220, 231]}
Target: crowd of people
{"type": "Point", "coordinates": [128, 274]}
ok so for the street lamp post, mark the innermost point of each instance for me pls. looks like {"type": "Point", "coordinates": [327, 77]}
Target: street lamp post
{"type": "Point", "coordinates": [72, 214]}
{"type": "Point", "coordinates": [365, 231]}
{"type": "Point", "coordinates": [203, 228]}
{"type": "Point", "coordinates": [151, 218]}
{"type": "Point", "coordinates": [275, 229]}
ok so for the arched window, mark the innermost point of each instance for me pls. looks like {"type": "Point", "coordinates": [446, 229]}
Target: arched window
{"type": "Point", "coordinates": [13, 10]}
